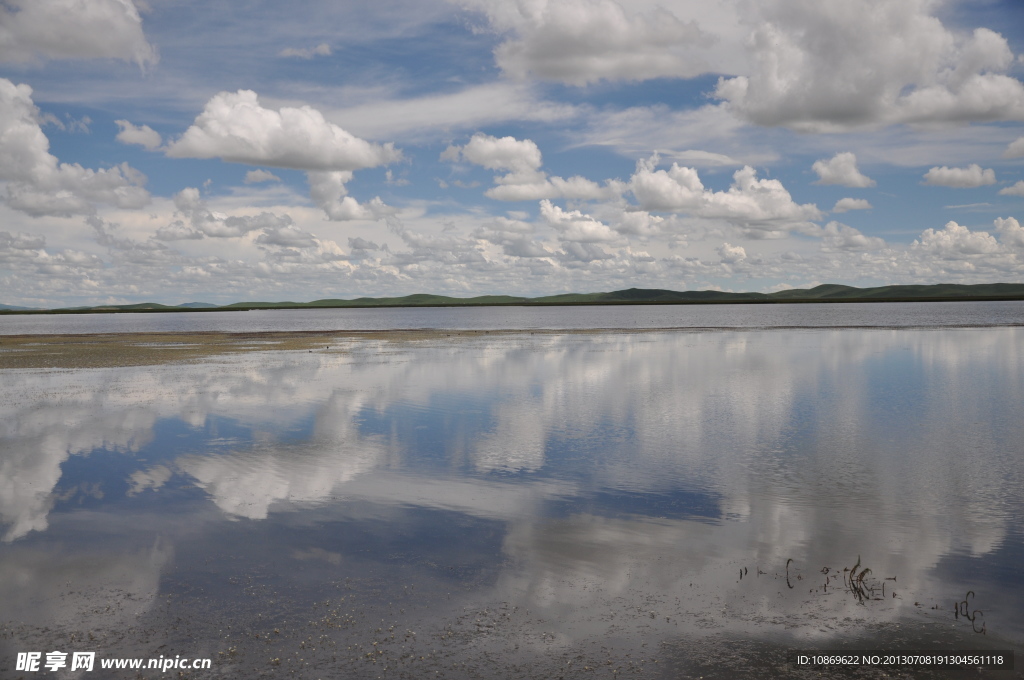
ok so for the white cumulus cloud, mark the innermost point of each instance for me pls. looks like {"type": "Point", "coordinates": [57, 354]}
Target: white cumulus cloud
{"type": "Point", "coordinates": [72, 29]}
{"type": "Point", "coordinates": [144, 136]}
{"type": "Point", "coordinates": [257, 176]}
{"type": "Point", "coordinates": [327, 189]}
{"type": "Point", "coordinates": [1015, 190]}
{"type": "Point", "coordinates": [520, 156]}
{"type": "Point", "coordinates": [547, 187]}
{"type": "Point", "coordinates": [583, 41]}
{"type": "Point", "coordinates": [955, 242]}
{"type": "Point", "coordinates": [847, 204]}
{"type": "Point", "coordinates": [748, 202]}
{"type": "Point", "coordinates": [960, 178]}
{"type": "Point", "coordinates": [198, 221]}
{"type": "Point", "coordinates": [576, 226]}
{"type": "Point", "coordinates": [235, 127]}
{"type": "Point", "coordinates": [1015, 149]}
{"type": "Point", "coordinates": [38, 184]}
{"type": "Point", "coordinates": [839, 236]}
{"type": "Point", "coordinates": [582, 251]}
{"type": "Point", "coordinates": [638, 223]}
{"type": "Point", "coordinates": [1010, 232]}
{"type": "Point", "coordinates": [514, 236]}
{"type": "Point", "coordinates": [525, 181]}
{"type": "Point", "coordinates": [288, 236]}
{"type": "Point", "coordinates": [841, 169]}
{"type": "Point", "coordinates": [832, 65]}
{"type": "Point", "coordinates": [731, 254]}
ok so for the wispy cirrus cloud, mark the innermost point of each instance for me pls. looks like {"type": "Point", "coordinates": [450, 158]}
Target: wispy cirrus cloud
{"type": "Point", "coordinates": [321, 50]}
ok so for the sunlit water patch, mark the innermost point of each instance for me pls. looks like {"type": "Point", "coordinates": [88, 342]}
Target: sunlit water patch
{"type": "Point", "coordinates": [658, 504]}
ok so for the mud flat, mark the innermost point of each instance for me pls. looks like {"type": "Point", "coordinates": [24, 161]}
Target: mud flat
{"type": "Point", "coordinates": [372, 627]}
{"type": "Point", "coordinates": [145, 349]}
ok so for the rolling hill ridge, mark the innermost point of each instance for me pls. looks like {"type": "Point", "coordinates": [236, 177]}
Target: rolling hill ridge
{"type": "Point", "coordinates": [828, 292]}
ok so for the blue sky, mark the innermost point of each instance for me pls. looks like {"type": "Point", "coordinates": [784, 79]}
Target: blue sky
{"type": "Point", "coordinates": [176, 150]}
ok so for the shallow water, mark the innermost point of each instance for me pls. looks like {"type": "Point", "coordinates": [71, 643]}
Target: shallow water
{"type": "Point", "coordinates": [835, 315]}
{"type": "Point", "coordinates": [660, 504]}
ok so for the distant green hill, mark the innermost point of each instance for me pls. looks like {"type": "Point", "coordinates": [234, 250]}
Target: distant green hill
{"type": "Point", "coordinates": [137, 307]}
{"type": "Point", "coordinates": [940, 290]}
{"type": "Point", "coordinates": [417, 300]}
{"type": "Point", "coordinates": [647, 296]}
{"type": "Point", "coordinates": [829, 292]}
{"type": "Point", "coordinates": [824, 293]}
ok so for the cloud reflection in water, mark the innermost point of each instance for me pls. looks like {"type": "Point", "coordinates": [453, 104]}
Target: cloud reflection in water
{"type": "Point", "coordinates": [620, 465]}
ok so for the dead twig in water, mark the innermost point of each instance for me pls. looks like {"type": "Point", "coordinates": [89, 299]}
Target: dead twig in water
{"type": "Point", "coordinates": [963, 608]}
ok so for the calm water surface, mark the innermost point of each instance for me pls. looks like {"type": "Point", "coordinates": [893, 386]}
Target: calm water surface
{"type": "Point", "coordinates": [658, 504]}
{"type": "Point", "coordinates": [889, 314]}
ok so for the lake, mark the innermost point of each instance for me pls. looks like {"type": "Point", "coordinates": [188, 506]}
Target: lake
{"type": "Point", "coordinates": [810, 315]}
{"type": "Point", "coordinates": [556, 503]}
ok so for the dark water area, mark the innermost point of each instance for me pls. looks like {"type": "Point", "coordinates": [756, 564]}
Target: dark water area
{"type": "Point", "coordinates": [665, 504]}
{"type": "Point", "coordinates": [811, 315]}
